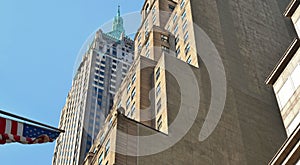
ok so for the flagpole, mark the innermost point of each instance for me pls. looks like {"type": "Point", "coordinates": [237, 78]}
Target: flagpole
{"type": "Point", "coordinates": [28, 120]}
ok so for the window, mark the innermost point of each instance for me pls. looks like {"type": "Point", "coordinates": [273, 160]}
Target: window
{"type": "Point", "coordinates": [148, 53]}
{"type": "Point", "coordinates": [164, 48]}
{"type": "Point", "coordinates": [128, 87]}
{"type": "Point", "coordinates": [187, 48]}
{"type": "Point", "coordinates": [158, 105]}
{"type": "Point", "coordinates": [175, 18]}
{"type": "Point", "coordinates": [147, 44]}
{"type": "Point", "coordinates": [119, 104]}
{"type": "Point", "coordinates": [133, 78]}
{"type": "Point", "coordinates": [176, 40]}
{"type": "Point", "coordinates": [184, 26]}
{"type": "Point", "coordinates": [189, 60]}
{"type": "Point", "coordinates": [186, 36]}
{"type": "Point", "coordinates": [182, 4]}
{"type": "Point", "coordinates": [102, 67]}
{"type": "Point", "coordinates": [177, 51]}
{"type": "Point", "coordinates": [183, 15]}
{"type": "Point", "coordinates": [139, 37]}
{"type": "Point", "coordinates": [139, 46]}
{"type": "Point", "coordinates": [289, 87]}
{"type": "Point", "coordinates": [285, 93]}
{"type": "Point", "coordinates": [158, 89]}
{"type": "Point", "coordinates": [107, 146]}
{"type": "Point", "coordinates": [297, 26]}
{"type": "Point", "coordinates": [293, 125]}
{"type": "Point", "coordinates": [153, 19]}
{"type": "Point", "coordinates": [164, 38]}
{"type": "Point", "coordinates": [146, 24]}
{"type": "Point", "coordinates": [101, 158]}
{"type": "Point", "coordinates": [146, 33]}
{"type": "Point", "coordinates": [127, 103]}
{"type": "Point", "coordinates": [133, 93]}
{"type": "Point", "coordinates": [153, 9]}
{"type": "Point", "coordinates": [157, 73]}
{"type": "Point", "coordinates": [176, 29]}
{"type": "Point", "coordinates": [171, 7]}
{"type": "Point", "coordinates": [147, 8]}
{"type": "Point", "coordinates": [295, 76]}
{"type": "Point", "coordinates": [159, 122]}
{"type": "Point", "coordinates": [114, 53]}
{"type": "Point", "coordinates": [132, 110]}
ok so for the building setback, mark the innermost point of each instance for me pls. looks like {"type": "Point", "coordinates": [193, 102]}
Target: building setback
{"type": "Point", "coordinates": [249, 37]}
{"type": "Point", "coordinates": [98, 78]}
{"type": "Point", "coordinates": [285, 79]}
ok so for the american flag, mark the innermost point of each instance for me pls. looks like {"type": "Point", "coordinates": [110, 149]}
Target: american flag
{"type": "Point", "coordinates": [14, 131]}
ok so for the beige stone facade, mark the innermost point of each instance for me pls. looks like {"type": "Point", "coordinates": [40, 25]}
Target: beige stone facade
{"type": "Point", "coordinates": [151, 97]}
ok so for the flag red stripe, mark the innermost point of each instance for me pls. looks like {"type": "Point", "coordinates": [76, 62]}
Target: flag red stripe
{"type": "Point", "coordinates": [17, 138]}
{"type": "Point", "coordinates": [2, 125]}
{"type": "Point", "coordinates": [14, 127]}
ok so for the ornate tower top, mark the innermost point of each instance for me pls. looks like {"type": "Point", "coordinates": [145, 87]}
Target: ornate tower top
{"type": "Point", "coordinates": [118, 27]}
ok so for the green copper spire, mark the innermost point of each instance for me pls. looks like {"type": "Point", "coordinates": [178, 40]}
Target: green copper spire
{"type": "Point", "coordinates": [118, 27]}
{"type": "Point", "coordinates": [119, 13]}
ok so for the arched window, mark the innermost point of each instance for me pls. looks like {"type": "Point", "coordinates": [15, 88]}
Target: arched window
{"type": "Point", "coordinates": [147, 8]}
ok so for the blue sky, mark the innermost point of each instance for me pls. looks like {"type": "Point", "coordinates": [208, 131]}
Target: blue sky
{"type": "Point", "coordinates": [39, 42]}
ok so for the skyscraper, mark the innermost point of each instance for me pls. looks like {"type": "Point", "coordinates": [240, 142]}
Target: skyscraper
{"type": "Point", "coordinates": [185, 48]}
{"type": "Point", "coordinates": [285, 79]}
{"type": "Point", "coordinates": [98, 77]}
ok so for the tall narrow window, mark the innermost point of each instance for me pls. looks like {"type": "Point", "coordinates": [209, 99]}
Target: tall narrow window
{"type": "Point", "coordinates": [107, 147]}
{"type": "Point", "coordinates": [101, 159]}
{"type": "Point", "coordinates": [187, 48]}
{"type": "Point", "coordinates": [159, 122]}
{"type": "Point", "coordinates": [153, 9]}
{"type": "Point", "coordinates": [189, 60]}
{"type": "Point", "coordinates": [182, 4]}
{"type": "Point", "coordinates": [175, 18]}
{"type": "Point", "coordinates": [158, 89]}
{"type": "Point", "coordinates": [183, 15]}
{"type": "Point", "coordinates": [154, 19]}
{"type": "Point", "coordinates": [158, 105]}
{"type": "Point", "coordinates": [186, 36]}
{"type": "Point", "coordinates": [133, 93]}
{"type": "Point", "coordinates": [132, 109]}
{"type": "Point", "coordinates": [139, 37]}
{"type": "Point", "coordinates": [177, 51]}
{"type": "Point", "coordinates": [147, 44]}
{"type": "Point", "coordinates": [127, 103]}
{"type": "Point", "coordinates": [128, 87]}
{"type": "Point", "coordinates": [148, 53]}
{"type": "Point", "coordinates": [147, 8]}
{"type": "Point", "coordinates": [133, 78]}
{"type": "Point", "coordinates": [176, 40]}
{"type": "Point", "coordinates": [184, 26]}
{"type": "Point", "coordinates": [176, 29]}
{"type": "Point", "coordinates": [157, 74]}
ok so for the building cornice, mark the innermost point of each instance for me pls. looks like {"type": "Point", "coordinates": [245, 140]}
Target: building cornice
{"type": "Point", "coordinates": [289, 151]}
{"type": "Point", "coordinates": [290, 10]}
{"type": "Point", "coordinates": [283, 62]}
